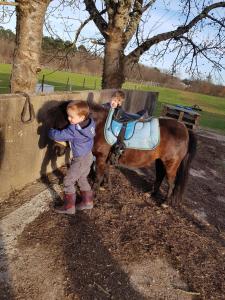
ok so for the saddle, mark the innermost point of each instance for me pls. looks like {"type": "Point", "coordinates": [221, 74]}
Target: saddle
{"type": "Point", "coordinates": [134, 131]}
{"type": "Point", "coordinates": [124, 117]}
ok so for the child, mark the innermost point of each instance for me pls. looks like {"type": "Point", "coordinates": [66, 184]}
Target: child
{"type": "Point", "coordinates": [80, 133]}
{"type": "Point", "coordinates": [117, 100]}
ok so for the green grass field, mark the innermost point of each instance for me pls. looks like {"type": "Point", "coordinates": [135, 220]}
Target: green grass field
{"type": "Point", "coordinates": [212, 116]}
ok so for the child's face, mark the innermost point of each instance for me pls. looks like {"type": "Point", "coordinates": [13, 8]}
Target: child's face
{"type": "Point", "coordinates": [73, 117]}
{"type": "Point", "coordinates": [116, 101]}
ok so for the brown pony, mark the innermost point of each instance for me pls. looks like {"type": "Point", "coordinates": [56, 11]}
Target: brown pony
{"type": "Point", "coordinates": [172, 156]}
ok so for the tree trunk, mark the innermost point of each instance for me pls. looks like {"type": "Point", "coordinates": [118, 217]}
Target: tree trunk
{"type": "Point", "coordinates": [113, 67]}
{"type": "Point", "coordinates": [30, 18]}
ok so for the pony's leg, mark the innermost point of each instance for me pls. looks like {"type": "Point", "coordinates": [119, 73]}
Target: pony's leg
{"type": "Point", "coordinates": [106, 176]}
{"type": "Point", "coordinates": [106, 183]}
{"type": "Point", "coordinates": [92, 174]}
{"type": "Point", "coordinates": [101, 170]}
{"type": "Point", "coordinates": [160, 174]}
{"type": "Point", "coordinates": [171, 172]}
{"type": "Point", "coordinates": [171, 184]}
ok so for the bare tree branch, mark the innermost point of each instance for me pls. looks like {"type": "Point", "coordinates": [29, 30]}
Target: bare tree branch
{"type": "Point", "coordinates": [8, 3]}
{"type": "Point", "coordinates": [6, 14]}
{"type": "Point", "coordinates": [135, 54]}
{"type": "Point", "coordinates": [96, 17]}
{"type": "Point", "coordinates": [135, 18]}
{"type": "Point", "coordinates": [83, 25]}
{"type": "Point", "coordinates": [217, 21]}
{"type": "Point", "coordinates": [149, 4]}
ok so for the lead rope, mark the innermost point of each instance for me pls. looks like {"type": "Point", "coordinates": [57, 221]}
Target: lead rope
{"type": "Point", "coordinates": [27, 106]}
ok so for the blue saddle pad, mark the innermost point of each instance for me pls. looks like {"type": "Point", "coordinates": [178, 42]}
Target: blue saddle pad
{"type": "Point", "coordinates": [142, 135]}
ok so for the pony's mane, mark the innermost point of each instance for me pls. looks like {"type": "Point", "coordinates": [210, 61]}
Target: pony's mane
{"type": "Point", "coordinates": [98, 112]}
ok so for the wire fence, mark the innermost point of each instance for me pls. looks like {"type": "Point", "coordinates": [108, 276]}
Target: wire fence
{"type": "Point", "coordinates": [80, 83]}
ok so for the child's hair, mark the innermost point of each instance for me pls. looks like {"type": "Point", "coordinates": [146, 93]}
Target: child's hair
{"type": "Point", "coordinates": [119, 94]}
{"type": "Point", "coordinates": [80, 107]}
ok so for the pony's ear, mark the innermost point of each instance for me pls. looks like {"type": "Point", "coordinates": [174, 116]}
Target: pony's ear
{"type": "Point", "coordinates": [90, 98]}
{"type": "Point", "coordinates": [95, 107]}
{"type": "Point", "coordinates": [90, 101]}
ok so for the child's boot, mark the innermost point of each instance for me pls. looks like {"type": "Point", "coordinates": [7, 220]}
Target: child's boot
{"type": "Point", "coordinates": [68, 206]}
{"type": "Point", "coordinates": [86, 200]}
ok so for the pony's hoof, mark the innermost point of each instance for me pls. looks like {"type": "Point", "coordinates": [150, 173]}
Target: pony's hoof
{"type": "Point", "coordinates": [172, 202]}
{"type": "Point", "coordinates": [102, 189]}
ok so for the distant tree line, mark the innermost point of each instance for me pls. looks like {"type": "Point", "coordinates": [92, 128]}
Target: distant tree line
{"type": "Point", "coordinates": [7, 34]}
{"type": "Point", "coordinates": [47, 41]}
{"type": "Point", "coordinates": [205, 87]}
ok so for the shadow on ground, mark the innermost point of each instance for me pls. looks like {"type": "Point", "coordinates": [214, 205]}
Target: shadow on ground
{"type": "Point", "coordinates": [207, 214]}
{"type": "Point", "coordinates": [50, 116]}
{"type": "Point", "coordinates": [92, 272]}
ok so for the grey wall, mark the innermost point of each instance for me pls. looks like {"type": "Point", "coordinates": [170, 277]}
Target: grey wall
{"type": "Point", "coordinates": [24, 148]}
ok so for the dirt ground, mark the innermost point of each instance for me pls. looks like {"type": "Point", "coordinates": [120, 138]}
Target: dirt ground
{"type": "Point", "coordinates": [127, 247]}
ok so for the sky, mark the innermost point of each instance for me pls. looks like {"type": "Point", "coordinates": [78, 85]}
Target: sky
{"type": "Point", "coordinates": [163, 17]}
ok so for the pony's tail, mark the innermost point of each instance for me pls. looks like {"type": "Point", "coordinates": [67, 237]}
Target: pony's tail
{"type": "Point", "coordinates": [183, 170]}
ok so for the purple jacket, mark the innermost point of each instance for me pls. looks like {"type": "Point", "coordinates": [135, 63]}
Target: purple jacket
{"type": "Point", "coordinates": [81, 139]}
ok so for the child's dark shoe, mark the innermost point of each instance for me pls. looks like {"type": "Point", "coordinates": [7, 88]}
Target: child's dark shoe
{"type": "Point", "coordinates": [86, 200]}
{"type": "Point", "coordinates": [69, 205]}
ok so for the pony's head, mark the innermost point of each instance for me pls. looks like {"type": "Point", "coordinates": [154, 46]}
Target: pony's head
{"type": "Point", "coordinates": [97, 111]}
{"type": "Point", "coordinates": [61, 122]}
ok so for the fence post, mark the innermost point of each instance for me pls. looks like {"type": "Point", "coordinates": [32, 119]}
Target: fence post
{"type": "Point", "coordinates": [95, 85]}
{"type": "Point", "coordinates": [67, 83]}
{"type": "Point", "coordinates": [42, 83]}
{"type": "Point", "coordinates": [84, 82]}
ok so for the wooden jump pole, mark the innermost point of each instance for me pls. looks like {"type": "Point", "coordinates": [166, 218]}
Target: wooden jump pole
{"type": "Point", "coordinates": [9, 3]}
